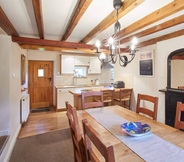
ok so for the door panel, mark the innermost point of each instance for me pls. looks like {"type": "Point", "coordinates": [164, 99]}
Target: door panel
{"type": "Point", "coordinates": [40, 83]}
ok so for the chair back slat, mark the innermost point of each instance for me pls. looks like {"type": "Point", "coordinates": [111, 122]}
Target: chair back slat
{"type": "Point", "coordinates": [150, 112]}
{"type": "Point", "coordinates": [179, 109]}
{"type": "Point", "coordinates": [91, 136]}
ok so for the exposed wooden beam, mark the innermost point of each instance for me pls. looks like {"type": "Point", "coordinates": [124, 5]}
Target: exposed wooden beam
{"type": "Point", "coordinates": [155, 16]}
{"type": "Point", "coordinates": [44, 42]}
{"type": "Point", "coordinates": [161, 38]}
{"type": "Point", "coordinates": [79, 11]}
{"type": "Point", "coordinates": [128, 5]}
{"type": "Point", "coordinates": [39, 18]}
{"type": "Point", "coordinates": [175, 21]}
{"type": "Point", "coordinates": [59, 49]}
{"type": "Point", "coordinates": [30, 42]}
{"type": "Point", "coordinates": [6, 25]}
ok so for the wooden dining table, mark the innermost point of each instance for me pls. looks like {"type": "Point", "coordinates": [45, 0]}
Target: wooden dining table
{"type": "Point", "coordinates": [121, 150]}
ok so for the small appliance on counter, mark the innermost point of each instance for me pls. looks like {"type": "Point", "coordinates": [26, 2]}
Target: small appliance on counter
{"type": "Point", "coordinates": [119, 84]}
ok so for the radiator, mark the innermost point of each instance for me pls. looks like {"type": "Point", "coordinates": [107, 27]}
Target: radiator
{"type": "Point", "coordinates": [24, 108]}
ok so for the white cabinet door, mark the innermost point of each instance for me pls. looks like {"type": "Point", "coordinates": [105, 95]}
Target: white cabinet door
{"type": "Point", "coordinates": [63, 95]}
{"type": "Point", "coordinates": [67, 64]}
{"type": "Point", "coordinates": [82, 60]}
{"type": "Point", "coordinates": [94, 66]}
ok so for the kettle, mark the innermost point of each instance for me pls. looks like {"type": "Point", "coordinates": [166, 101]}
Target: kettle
{"type": "Point", "coordinates": [97, 82]}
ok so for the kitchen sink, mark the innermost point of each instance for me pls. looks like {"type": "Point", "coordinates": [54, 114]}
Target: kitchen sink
{"type": "Point", "coordinates": [86, 90]}
{"type": "Point", "coordinates": [68, 86]}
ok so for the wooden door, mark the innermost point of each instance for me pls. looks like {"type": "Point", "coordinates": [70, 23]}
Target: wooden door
{"type": "Point", "coordinates": [40, 81]}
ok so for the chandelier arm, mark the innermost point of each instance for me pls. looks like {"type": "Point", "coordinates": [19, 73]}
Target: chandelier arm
{"type": "Point", "coordinates": [112, 58]}
{"type": "Point", "coordinates": [102, 60]}
{"type": "Point", "coordinates": [124, 63]}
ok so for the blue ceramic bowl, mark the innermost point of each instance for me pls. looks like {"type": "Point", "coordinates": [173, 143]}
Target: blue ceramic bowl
{"type": "Point", "coordinates": [135, 128]}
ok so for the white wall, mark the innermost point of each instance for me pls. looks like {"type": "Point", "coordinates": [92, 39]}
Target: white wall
{"type": "Point", "coordinates": [5, 46]}
{"type": "Point", "coordinates": [10, 93]}
{"type": "Point", "coordinates": [151, 85]}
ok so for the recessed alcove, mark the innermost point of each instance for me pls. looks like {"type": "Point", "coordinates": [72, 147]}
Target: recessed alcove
{"type": "Point", "coordinates": [175, 80]}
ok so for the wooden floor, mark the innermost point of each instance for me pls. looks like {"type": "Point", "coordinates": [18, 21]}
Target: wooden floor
{"type": "Point", "coordinates": [44, 122]}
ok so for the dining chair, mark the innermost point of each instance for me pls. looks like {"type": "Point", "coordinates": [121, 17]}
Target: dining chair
{"type": "Point", "coordinates": [181, 87]}
{"type": "Point", "coordinates": [179, 109]}
{"type": "Point", "coordinates": [88, 99]}
{"type": "Point", "coordinates": [142, 108]}
{"type": "Point", "coordinates": [92, 137]}
{"type": "Point", "coordinates": [78, 143]}
{"type": "Point", "coordinates": [108, 97]}
{"type": "Point", "coordinates": [124, 97]}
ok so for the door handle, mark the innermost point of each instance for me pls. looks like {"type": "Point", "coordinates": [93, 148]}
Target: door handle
{"type": "Point", "coordinates": [50, 81]}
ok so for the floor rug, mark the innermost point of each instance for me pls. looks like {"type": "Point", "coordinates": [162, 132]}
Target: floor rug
{"type": "Point", "coordinates": [45, 109]}
{"type": "Point", "coordinates": [49, 147]}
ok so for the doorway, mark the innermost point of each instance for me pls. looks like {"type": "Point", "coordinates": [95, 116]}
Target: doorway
{"type": "Point", "coordinates": [40, 83]}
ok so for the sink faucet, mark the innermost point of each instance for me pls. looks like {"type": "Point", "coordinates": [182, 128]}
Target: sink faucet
{"type": "Point", "coordinates": [75, 77]}
{"type": "Point", "coordinates": [73, 81]}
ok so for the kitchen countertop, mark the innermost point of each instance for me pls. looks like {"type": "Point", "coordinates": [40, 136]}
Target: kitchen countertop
{"type": "Point", "coordinates": [78, 91]}
{"type": "Point", "coordinates": [84, 86]}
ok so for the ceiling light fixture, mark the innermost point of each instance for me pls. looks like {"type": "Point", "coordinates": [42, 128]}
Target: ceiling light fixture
{"type": "Point", "coordinates": [114, 43]}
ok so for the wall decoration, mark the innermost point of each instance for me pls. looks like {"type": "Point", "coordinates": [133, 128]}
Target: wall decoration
{"type": "Point", "coordinates": [146, 63]}
{"type": "Point", "coordinates": [23, 69]}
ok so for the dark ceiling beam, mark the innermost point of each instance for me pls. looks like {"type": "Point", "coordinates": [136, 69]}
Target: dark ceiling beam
{"type": "Point", "coordinates": [39, 17]}
{"type": "Point", "coordinates": [59, 49]}
{"type": "Point", "coordinates": [6, 25]}
{"type": "Point", "coordinates": [161, 38]}
{"type": "Point", "coordinates": [44, 42]}
{"type": "Point", "coordinates": [171, 8]}
{"type": "Point", "coordinates": [63, 49]}
{"type": "Point", "coordinates": [128, 5]}
{"type": "Point", "coordinates": [32, 43]}
{"type": "Point", "coordinates": [170, 23]}
{"type": "Point", "coordinates": [79, 11]}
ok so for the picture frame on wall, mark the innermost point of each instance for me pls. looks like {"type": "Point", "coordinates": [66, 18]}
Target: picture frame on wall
{"type": "Point", "coordinates": [146, 63]}
{"type": "Point", "coordinates": [23, 69]}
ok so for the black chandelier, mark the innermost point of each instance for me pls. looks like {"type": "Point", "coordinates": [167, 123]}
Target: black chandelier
{"type": "Point", "coordinates": [114, 44]}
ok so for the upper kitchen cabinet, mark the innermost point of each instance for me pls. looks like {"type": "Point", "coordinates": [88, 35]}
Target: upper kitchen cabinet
{"type": "Point", "coordinates": [67, 64]}
{"type": "Point", "coordinates": [94, 65]}
{"type": "Point", "coordinates": [82, 60]}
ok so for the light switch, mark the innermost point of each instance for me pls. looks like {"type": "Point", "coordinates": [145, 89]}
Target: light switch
{"type": "Point", "coordinates": [13, 75]}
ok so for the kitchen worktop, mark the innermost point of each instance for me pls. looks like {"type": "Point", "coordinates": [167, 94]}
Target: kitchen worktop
{"type": "Point", "coordinates": [78, 90]}
{"type": "Point", "coordinates": [85, 85]}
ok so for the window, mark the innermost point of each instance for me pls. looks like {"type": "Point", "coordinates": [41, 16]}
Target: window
{"type": "Point", "coordinates": [80, 71]}
{"type": "Point", "coordinates": [40, 72]}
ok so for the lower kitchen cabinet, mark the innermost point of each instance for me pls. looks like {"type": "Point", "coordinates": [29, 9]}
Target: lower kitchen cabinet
{"type": "Point", "coordinates": [62, 96]}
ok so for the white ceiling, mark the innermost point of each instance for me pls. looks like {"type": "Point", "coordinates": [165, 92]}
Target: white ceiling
{"type": "Point", "coordinates": [57, 14]}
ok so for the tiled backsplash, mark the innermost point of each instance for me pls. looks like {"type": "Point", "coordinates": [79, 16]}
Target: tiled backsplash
{"type": "Point", "coordinates": [106, 76]}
